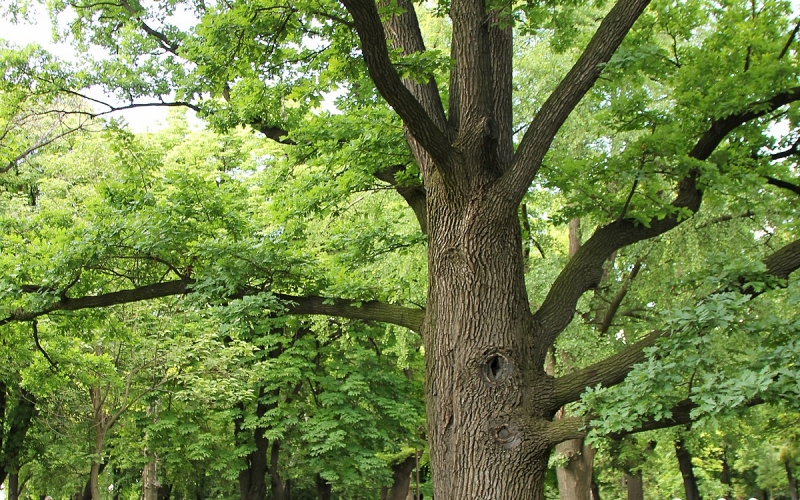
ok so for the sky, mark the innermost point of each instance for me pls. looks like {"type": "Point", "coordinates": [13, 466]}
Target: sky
{"type": "Point", "coordinates": [41, 33]}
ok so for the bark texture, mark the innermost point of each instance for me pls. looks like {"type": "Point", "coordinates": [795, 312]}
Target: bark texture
{"type": "Point", "coordinates": [401, 480]}
{"type": "Point", "coordinates": [575, 480]}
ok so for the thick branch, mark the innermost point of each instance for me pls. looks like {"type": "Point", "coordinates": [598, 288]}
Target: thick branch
{"type": "Point", "coordinates": [608, 372]}
{"type": "Point", "coordinates": [372, 310]}
{"type": "Point", "coordinates": [542, 130]}
{"type": "Point", "coordinates": [584, 270]}
{"type": "Point", "coordinates": [376, 55]}
{"type": "Point", "coordinates": [369, 310]}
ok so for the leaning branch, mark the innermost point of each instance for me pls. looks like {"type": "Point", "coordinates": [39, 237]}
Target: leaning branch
{"type": "Point", "coordinates": [364, 310]}
{"type": "Point", "coordinates": [784, 185]}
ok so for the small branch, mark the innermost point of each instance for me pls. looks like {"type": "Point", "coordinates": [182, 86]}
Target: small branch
{"type": "Point", "coordinates": [35, 329]}
{"type": "Point", "coordinates": [788, 44]}
{"type": "Point", "coordinates": [616, 302]}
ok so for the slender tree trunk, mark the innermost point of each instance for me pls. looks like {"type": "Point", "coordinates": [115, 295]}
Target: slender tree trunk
{"type": "Point", "coordinates": [791, 478]}
{"type": "Point", "coordinates": [685, 463]}
{"type": "Point", "coordinates": [13, 486]}
{"type": "Point", "coordinates": [18, 421]}
{"type": "Point", "coordinates": [101, 425]}
{"type": "Point", "coordinates": [280, 489]}
{"type": "Point", "coordinates": [87, 488]}
{"type": "Point", "coordinates": [595, 488]}
{"type": "Point", "coordinates": [635, 485]}
{"type": "Point", "coordinates": [575, 480]}
{"type": "Point", "coordinates": [252, 480]}
{"type": "Point", "coordinates": [401, 480]}
{"type": "Point", "coordinates": [726, 478]}
{"type": "Point", "coordinates": [150, 482]}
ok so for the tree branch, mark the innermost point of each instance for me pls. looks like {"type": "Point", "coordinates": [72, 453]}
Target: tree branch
{"type": "Point", "coordinates": [376, 55]}
{"type": "Point", "coordinates": [585, 269]}
{"type": "Point", "coordinates": [616, 302]}
{"type": "Point", "coordinates": [613, 370]}
{"type": "Point", "coordinates": [548, 121]}
{"type": "Point", "coordinates": [578, 427]}
{"type": "Point", "coordinates": [784, 185]}
{"type": "Point", "coordinates": [364, 310]}
{"type": "Point", "coordinates": [608, 372]}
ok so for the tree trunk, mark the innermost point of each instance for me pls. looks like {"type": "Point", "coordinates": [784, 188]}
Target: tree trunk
{"type": "Point", "coordinates": [725, 476]}
{"type": "Point", "coordinates": [791, 478]}
{"type": "Point", "coordinates": [13, 486]}
{"type": "Point", "coordinates": [323, 489]}
{"type": "Point", "coordinates": [575, 480]}
{"type": "Point", "coordinates": [280, 490]}
{"type": "Point", "coordinates": [252, 480]}
{"type": "Point", "coordinates": [150, 482]}
{"type": "Point", "coordinates": [685, 463]}
{"type": "Point", "coordinates": [635, 485]}
{"type": "Point", "coordinates": [486, 441]}
{"type": "Point", "coordinates": [17, 422]}
{"type": "Point", "coordinates": [401, 480]}
{"type": "Point", "coordinates": [87, 489]}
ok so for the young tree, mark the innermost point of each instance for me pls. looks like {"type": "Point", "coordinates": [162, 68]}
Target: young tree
{"type": "Point", "coordinates": [687, 100]}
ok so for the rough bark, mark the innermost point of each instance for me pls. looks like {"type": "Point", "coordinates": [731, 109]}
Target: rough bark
{"type": "Point", "coordinates": [687, 471]}
{"type": "Point", "coordinates": [575, 480]}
